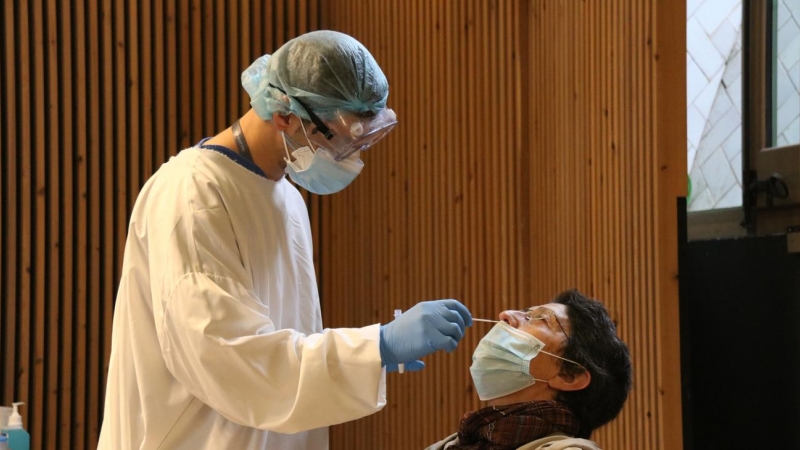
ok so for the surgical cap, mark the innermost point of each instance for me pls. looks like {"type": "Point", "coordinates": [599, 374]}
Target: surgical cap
{"type": "Point", "coordinates": [326, 70]}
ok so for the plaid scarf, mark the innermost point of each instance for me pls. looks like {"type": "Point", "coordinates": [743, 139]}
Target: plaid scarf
{"type": "Point", "coordinates": [511, 426]}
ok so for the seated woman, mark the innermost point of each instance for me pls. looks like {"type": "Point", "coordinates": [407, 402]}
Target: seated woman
{"type": "Point", "coordinates": [550, 375]}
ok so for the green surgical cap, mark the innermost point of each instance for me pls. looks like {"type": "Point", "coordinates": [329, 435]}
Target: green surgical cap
{"type": "Point", "coordinates": [326, 70]}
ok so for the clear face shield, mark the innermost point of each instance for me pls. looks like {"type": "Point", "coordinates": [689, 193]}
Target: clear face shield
{"type": "Point", "coordinates": [348, 133]}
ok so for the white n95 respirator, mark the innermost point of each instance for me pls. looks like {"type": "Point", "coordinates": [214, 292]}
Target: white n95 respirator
{"type": "Point", "coordinates": [319, 172]}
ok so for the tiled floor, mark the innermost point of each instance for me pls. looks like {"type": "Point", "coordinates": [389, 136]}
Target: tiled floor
{"type": "Point", "coordinates": [714, 94]}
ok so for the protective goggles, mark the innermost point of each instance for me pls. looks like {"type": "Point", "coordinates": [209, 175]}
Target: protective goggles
{"type": "Point", "coordinates": [346, 133]}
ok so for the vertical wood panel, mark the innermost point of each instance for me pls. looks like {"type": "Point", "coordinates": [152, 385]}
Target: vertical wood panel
{"type": "Point", "coordinates": [218, 53]}
{"type": "Point", "coordinates": [8, 199]}
{"type": "Point", "coordinates": [3, 212]}
{"type": "Point", "coordinates": [23, 372]}
{"type": "Point", "coordinates": [38, 269]}
{"type": "Point", "coordinates": [84, 111]}
{"type": "Point", "coordinates": [94, 96]}
{"type": "Point", "coordinates": [538, 150]}
{"type": "Point", "coordinates": [95, 179]}
{"type": "Point", "coordinates": [53, 223]}
{"type": "Point", "coordinates": [119, 153]}
{"type": "Point", "coordinates": [131, 76]}
{"type": "Point", "coordinates": [209, 104]}
{"type": "Point", "coordinates": [160, 74]}
{"type": "Point", "coordinates": [246, 55]}
{"type": "Point", "coordinates": [103, 213]}
{"type": "Point", "coordinates": [143, 141]}
{"type": "Point", "coordinates": [185, 91]}
{"type": "Point", "coordinates": [172, 119]}
{"type": "Point", "coordinates": [669, 173]}
{"type": "Point", "coordinates": [197, 76]}
{"type": "Point", "coordinates": [66, 261]}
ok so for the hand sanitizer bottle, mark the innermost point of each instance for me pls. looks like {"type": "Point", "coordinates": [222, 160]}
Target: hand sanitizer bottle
{"type": "Point", "coordinates": [18, 438]}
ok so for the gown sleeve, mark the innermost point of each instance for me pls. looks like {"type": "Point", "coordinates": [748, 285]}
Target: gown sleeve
{"type": "Point", "coordinates": [217, 339]}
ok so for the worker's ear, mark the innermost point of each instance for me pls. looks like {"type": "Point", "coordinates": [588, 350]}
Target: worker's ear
{"type": "Point", "coordinates": [283, 122]}
{"type": "Point", "coordinates": [287, 123]}
{"type": "Point", "coordinates": [564, 382]}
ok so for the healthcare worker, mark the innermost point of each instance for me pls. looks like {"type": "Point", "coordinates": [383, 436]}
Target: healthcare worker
{"type": "Point", "coordinates": [217, 339]}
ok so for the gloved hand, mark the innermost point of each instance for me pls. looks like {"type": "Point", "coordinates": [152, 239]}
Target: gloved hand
{"type": "Point", "coordinates": [423, 329]}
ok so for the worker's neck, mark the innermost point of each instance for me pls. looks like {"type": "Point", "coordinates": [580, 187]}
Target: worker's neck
{"type": "Point", "coordinates": [535, 392]}
{"type": "Point", "coordinates": [266, 144]}
{"type": "Point", "coordinates": [264, 141]}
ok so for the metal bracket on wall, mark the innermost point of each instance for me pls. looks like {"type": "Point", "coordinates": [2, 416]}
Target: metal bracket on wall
{"type": "Point", "coordinates": [773, 201]}
{"type": "Point", "coordinates": [774, 187]}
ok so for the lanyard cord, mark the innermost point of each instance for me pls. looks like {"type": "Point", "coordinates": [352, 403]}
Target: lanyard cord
{"type": "Point", "coordinates": [241, 143]}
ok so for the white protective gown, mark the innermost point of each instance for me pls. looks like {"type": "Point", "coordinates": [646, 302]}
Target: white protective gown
{"type": "Point", "coordinates": [217, 337]}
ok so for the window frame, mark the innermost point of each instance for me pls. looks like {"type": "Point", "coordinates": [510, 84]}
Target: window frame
{"type": "Point", "coordinates": [757, 116]}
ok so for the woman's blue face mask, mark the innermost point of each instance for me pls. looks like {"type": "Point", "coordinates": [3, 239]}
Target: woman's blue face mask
{"type": "Point", "coordinates": [501, 362]}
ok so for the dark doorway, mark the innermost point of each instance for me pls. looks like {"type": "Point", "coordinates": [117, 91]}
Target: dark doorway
{"type": "Point", "coordinates": [740, 343]}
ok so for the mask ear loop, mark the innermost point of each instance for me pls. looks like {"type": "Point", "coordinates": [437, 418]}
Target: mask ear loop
{"type": "Point", "coordinates": [310, 144]}
{"type": "Point", "coordinates": [564, 359]}
{"type": "Point", "coordinates": [286, 147]}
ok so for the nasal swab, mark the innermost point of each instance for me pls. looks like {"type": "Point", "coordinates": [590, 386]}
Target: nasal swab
{"type": "Point", "coordinates": [398, 313]}
{"type": "Point", "coordinates": [485, 320]}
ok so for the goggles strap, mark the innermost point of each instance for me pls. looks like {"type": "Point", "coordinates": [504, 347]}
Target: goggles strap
{"type": "Point", "coordinates": [321, 127]}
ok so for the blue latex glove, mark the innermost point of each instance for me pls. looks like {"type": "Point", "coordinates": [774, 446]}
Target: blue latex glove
{"type": "Point", "coordinates": [422, 330]}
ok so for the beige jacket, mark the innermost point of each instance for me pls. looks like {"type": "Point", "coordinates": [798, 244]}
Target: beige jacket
{"type": "Point", "coordinates": [552, 442]}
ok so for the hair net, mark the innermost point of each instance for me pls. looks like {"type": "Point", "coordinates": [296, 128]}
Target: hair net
{"type": "Point", "coordinates": [326, 70]}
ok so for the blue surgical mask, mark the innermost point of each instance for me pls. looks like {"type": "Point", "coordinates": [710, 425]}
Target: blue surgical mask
{"type": "Point", "coordinates": [319, 172]}
{"type": "Point", "coordinates": [501, 362]}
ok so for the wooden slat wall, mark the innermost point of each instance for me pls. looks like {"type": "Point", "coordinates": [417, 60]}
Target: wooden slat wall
{"type": "Point", "coordinates": [541, 146]}
{"type": "Point", "coordinates": [94, 96]}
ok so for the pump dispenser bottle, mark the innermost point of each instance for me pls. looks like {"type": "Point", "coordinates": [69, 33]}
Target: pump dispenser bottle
{"type": "Point", "coordinates": [18, 438]}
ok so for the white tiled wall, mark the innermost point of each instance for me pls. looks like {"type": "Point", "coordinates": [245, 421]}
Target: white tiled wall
{"type": "Point", "coordinates": [714, 69]}
{"type": "Point", "coordinates": [787, 126]}
{"type": "Point", "coordinates": [714, 94]}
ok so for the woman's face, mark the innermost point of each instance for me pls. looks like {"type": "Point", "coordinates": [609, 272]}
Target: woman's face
{"type": "Point", "coordinates": [550, 324]}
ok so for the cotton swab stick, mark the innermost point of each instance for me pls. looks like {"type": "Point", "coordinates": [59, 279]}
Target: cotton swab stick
{"type": "Point", "coordinates": [398, 313]}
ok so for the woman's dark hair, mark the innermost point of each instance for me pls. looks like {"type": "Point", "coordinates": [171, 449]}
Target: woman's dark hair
{"type": "Point", "coordinates": [593, 342]}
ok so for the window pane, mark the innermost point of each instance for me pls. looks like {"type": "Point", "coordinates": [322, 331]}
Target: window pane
{"type": "Point", "coordinates": [786, 72]}
{"type": "Point", "coordinates": [714, 99]}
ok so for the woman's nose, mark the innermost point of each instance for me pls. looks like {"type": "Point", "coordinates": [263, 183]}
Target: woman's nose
{"type": "Point", "coordinates": [511, 317]}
